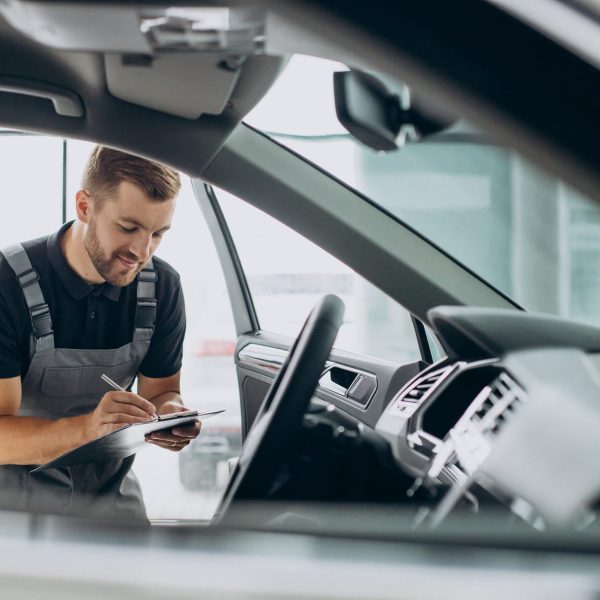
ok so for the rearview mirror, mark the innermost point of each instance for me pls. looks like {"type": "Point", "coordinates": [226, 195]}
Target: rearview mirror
{"type": "Point", "coordinates": [378, 118]}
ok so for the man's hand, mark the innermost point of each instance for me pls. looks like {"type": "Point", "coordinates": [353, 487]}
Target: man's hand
{"type": "Point", "coordinates": [116, 409]}
{"type": "Point", "coordinates": [176, 438]}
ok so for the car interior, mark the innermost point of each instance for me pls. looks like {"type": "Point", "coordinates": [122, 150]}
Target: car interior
{"type": "Point", "coordinates": [494, 412]}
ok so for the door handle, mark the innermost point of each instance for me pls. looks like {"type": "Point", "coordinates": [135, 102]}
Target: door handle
{"type": "Point", "coordinates": [353, 385]}
{"type": "Point", "coordinates": [66, 103]}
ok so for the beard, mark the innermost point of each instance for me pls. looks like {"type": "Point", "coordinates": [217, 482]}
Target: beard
{"type": "Point", "coordinates": [108, 268]}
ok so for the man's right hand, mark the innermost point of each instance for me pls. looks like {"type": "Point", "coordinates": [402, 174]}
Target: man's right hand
{"type": "Point", "coordinates": [45, 439]}
{"type": "Point", "coordinates": [116, 409]}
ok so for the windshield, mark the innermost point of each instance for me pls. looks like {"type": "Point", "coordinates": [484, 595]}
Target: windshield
{"type": "Point", "coordinates": [519, 228]}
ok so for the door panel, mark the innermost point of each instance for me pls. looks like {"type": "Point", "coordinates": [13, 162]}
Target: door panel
{"type": "Point", "coordinates": [260, 356]}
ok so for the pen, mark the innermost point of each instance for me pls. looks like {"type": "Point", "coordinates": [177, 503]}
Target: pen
{"type": "Point", "coordinates": [112, 383]}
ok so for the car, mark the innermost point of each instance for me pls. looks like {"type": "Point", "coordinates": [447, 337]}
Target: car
{"type": "Point", "coordinates": [400, 208]}
{"type": "Point", "coordinates": [205, 465]}
{"type": "Point", "coordinates": [211, 450]}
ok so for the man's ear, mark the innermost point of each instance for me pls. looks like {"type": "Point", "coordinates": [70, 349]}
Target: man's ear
{"type": "Point", "coordinates": [83, 204]}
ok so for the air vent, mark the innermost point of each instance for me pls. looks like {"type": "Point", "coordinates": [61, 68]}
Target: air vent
{"type": "Point", "coordinates": [421, 387]}
{"type": "Point", "coordinates": [496, 406]}
{"type": "Point", "coordinates": [470, 441]}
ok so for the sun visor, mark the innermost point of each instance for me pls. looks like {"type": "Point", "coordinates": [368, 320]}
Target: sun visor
{"type": "Point", "coordinates": [204, 81]}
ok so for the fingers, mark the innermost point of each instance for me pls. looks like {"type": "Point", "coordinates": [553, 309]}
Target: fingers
{"type": "Point", "coordinates": [133, 400]}
{"type": "Point", "coordinates": [125, 407]}
{"type": "Point", "coordinates": [177, 438]}
{"type": "Point", "coordinates": [187, 431]}
{"type": "Point", "coordinates": [128, 410]}
{"type": "Point", "coordinates": [124, 418]}
{"type": "Point", "coordinates": [190, 431]}
{"type": "Point", "coordinates": [173, 446]}
{"type": "Point", "coordinates": [175, 435]}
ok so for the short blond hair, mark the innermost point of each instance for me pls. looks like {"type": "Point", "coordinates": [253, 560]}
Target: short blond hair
{"type": "Point", "coordinates": [107, 168]}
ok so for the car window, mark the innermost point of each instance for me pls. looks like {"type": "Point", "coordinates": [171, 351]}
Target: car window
{"type": "Point", "coordinates": [33, 210]}
{"type": "Point", "coordinates": [186, 485]}
{"type": "Point", "coordinates": [287, 274]}
{"type": "Point", "coordinates": [522, 230]}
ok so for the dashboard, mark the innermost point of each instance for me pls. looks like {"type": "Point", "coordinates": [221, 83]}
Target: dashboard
{"type": "Point", "coordinates": [511, 413]}
{"type": "Point", "coordinates": [514, 410]}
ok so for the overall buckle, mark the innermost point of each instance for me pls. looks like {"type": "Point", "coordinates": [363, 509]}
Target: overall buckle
{"type": "Point", "coordinates": [41, 320]}
{"type": "Point", "coordinates": [145, 317]}
{"type": "Point", "coordinates": [28, 278]}
{"type": "Point", "coordinates": [148, 276]}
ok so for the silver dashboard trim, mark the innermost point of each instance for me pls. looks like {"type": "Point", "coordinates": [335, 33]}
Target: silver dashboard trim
{"type": "Point", "coordinates": [264, 357]}
{"type": "Point", "coordinates": [272, 359]}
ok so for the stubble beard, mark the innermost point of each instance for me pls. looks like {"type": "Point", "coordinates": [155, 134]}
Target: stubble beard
{"type": "Point", "coordinates": [107, 267]}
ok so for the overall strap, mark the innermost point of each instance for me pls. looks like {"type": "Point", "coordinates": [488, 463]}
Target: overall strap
{"type": "Point", "coordinates": [39, 313]}
{"type": "Point", "coordinates": [145, 311]}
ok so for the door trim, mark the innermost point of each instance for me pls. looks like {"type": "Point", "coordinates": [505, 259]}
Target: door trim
{"type": "Point", "coordinates": [244, 313]}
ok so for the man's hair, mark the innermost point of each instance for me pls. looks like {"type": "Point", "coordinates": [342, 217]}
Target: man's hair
{"type": "Point", "coordinates": [107, 168]}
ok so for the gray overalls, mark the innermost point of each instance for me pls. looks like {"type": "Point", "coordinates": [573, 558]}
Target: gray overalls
{"type": "Point", "coordinates": [64, 382]}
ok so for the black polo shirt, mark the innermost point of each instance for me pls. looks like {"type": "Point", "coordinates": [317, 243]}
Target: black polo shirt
{"type": "Point", "coordinates": [87, 316]}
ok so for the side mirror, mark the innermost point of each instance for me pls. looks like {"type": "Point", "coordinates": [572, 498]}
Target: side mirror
{"type": "Point", "coordinates": [382, 120]}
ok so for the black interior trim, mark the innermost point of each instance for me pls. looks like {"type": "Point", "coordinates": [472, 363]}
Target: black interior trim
{"type": "Point", "coordinates": [422, 340]}
{"type": "Point", "coordinates": [235, 257]}
{"type": "Point", "coordinates": [487, 65]}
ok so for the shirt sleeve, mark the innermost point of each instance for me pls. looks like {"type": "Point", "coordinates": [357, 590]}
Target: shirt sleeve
{"type": "Point", "coordinates": [10, 348]}
{"type": "Point", "coordinates": [165, 354]}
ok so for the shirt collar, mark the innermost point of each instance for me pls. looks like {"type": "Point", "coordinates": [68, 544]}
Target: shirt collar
{"type": "Point", "coordinates": [76, 286]}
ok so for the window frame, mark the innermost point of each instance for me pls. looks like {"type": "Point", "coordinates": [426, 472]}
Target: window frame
{"type": "Point", "coordinates": [240, 292]}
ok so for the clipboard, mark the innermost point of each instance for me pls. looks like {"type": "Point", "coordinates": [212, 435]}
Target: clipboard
{"type": "Point", "coordinates": [122, 442]}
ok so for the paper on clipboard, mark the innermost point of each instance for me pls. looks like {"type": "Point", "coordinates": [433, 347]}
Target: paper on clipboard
{"type": "Point", "coordinates": [123, 442]}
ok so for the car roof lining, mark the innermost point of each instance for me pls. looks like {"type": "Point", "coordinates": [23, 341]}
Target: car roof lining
{"type": "Point", "coordinates": [457, 54]}
{"type": "Point", "coordinates": [460, 58]}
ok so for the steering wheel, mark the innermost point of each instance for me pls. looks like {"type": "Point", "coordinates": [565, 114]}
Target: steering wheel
{"type": "Point", "coordinates": [279, 419]}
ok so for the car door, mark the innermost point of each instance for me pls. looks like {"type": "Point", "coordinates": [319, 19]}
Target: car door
{"type": "Point", "coordinates": [288, 231]}
{"type": "Point", "coordinates": [275, 276]}
{"type": "Point", "coordinates": [264, 205]}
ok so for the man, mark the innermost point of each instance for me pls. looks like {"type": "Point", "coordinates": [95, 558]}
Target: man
{"type": "Point", "coordinates": [87, 300]}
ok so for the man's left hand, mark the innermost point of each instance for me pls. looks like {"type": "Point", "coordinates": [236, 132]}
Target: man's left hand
{"type": "Point", "coordinates": [176, 438]}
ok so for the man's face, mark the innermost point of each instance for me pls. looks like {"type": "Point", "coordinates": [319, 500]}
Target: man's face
{"type": "Point", "coordinates": [125, 232]}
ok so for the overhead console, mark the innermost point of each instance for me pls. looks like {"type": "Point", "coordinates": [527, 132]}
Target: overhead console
{"type": "Point", "coordinates": [149, 50]}
{"type": "Point", "coordinates": [97, 69]}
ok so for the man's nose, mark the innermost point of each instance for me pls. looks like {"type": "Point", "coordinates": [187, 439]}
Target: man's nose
{"type": "Point", "coordinates": [141, 247]}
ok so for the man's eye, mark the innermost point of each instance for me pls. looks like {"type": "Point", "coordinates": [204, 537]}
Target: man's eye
{"type": "Point", "coordinates": [157, 235]}
{"type": "Point", "coordinates": [127, 229]}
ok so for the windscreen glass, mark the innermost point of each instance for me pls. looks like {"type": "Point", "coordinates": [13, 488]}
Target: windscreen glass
{"type": "Point", "coordinates": [523, 230]}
